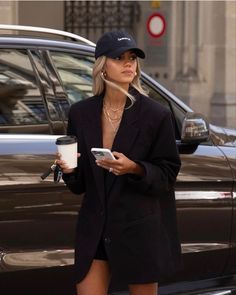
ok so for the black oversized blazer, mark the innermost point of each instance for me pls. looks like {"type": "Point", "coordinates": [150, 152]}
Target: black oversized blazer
{"type": "Point", "coordinates": [135, 217]}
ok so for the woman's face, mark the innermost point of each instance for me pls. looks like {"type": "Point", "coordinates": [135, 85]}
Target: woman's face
{"type": "Point", "coordinates": [121, 70]}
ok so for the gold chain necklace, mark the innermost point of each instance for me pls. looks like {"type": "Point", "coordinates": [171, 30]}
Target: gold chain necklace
{"type": "Point", "coordinates": [109, 116]}
{"type": "Point", "coordinates": [114, 110]}
{"type": "Point", "coordinates": [115, 129]}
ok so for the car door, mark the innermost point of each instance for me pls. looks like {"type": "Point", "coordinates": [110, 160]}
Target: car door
{"type": "Point", "coordinates": [227, 145]}
{"type": "Point", "coordinates": [37, 218]}
{"type": "Point", "coordinates": [204, 203]}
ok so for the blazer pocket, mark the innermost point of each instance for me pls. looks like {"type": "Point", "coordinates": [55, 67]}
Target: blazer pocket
{"type": "Point", "coordinates": [141, 237]}
{"type": "Point", "coordinates": [151, 218]}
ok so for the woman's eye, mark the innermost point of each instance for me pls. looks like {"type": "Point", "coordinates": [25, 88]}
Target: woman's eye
{"type": "Point", "coordinates": [133, 57]}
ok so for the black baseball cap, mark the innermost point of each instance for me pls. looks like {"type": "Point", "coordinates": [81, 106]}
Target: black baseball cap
{"type": "Point", "coordinates": [113, 44]}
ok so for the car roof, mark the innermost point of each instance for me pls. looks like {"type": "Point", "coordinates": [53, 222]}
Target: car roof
{"type": "Point", "coordinates": [31, 42]}
{"type": "Point", "coordinates": [43, 30]}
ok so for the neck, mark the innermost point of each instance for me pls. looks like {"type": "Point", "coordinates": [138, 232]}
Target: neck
{"type": "Point", "coordinates": [115, 97]}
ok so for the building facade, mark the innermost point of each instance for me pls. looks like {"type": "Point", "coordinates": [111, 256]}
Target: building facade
{"type": "Point", "coordinates": [190, 45]}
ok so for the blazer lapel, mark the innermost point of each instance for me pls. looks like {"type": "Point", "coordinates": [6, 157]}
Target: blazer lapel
{"type": "Point", "coordinates": [126, 135]}
{"type": "Point", "coordinates": [93, 138]}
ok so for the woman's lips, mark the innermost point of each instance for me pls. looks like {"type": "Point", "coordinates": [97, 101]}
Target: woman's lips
{"type": "Point", "coordinates": [127, 72]}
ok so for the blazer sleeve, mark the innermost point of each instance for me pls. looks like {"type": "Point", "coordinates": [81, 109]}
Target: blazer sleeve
{"type": "Point", "coordinates": [163, 163]}
{"type": "Point", "coordinates": [74, 181]}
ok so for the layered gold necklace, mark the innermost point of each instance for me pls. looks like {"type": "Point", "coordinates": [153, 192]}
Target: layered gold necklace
{"type": "Point", "coordinates": [114, 119]}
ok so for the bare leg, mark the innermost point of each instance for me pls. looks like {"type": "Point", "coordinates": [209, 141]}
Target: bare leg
{"type": "Point", "coordinates": [96, 281]}
{"type": "Point", "coordinates": [143, 289]}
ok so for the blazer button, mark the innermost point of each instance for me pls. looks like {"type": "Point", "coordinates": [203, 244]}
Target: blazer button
{"type": "Point", "coordinates": [107, 240]}
{"type": "Point", "coordinates": [102, 213]}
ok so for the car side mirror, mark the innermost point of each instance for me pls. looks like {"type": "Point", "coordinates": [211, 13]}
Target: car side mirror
{"type": "Point", "coordinates": [195, 128]}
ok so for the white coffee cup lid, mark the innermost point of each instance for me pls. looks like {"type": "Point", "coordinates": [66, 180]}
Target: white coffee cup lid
{"type": "Point", "coordinates": [66, 140]}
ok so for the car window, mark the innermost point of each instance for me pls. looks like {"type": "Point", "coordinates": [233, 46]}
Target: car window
{"type": "Point", "coordinates": [75, 72]}
{"type": "Point", "coordinates": [177, 115]}
{"type": "Point", "coordinates": [21, 104]}
{"type": "Point", "coordinates": [154, 94]}
{"type": "Point", "coordinates": [44, 77]}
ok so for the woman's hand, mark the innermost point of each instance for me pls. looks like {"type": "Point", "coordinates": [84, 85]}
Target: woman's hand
{"type": "Point", "coordinates": [63, 165]}
{"type": "Point", "coordinates": [122, 165]}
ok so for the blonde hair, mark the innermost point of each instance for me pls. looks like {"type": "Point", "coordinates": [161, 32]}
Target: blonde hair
{"type": "Point", "coordinates": [99, 80]}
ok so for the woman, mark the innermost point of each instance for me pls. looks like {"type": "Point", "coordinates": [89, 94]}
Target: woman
{"type": "Point", "coordinates": [127, 222]}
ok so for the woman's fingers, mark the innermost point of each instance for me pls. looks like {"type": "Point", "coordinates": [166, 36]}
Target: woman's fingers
{"type": "Point", "coordinates": [113, 166]}
{"type": "Point", "coordinates": [63, 165]}
{"type": "Point", "coordinates": [120, 166]}
{"type": "Point", "coordinates": [117, 155]}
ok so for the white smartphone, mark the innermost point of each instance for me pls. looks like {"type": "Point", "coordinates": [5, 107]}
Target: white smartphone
{"type": "Point", "coordinates": [100, 153]}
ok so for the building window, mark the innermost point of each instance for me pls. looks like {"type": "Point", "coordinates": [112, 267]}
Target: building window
{"type": "Point", "coordinates": [91, 18]}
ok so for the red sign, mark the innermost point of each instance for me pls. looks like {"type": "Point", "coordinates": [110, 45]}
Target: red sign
{"type": "Point", "coordinates": [156, 25]}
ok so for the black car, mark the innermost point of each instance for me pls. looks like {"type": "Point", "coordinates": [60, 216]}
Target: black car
{"type": "Point", "coordinates": [39, 79]}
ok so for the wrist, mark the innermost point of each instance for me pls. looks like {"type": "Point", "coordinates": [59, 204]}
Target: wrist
{"type": "Point", "coordinates": [137, 169]}
{"type": "Point", "coordinates": [68, 171]}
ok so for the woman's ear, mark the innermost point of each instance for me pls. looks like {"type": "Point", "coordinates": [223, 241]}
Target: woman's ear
{"type": "Point", "coordinates": [103, 73]}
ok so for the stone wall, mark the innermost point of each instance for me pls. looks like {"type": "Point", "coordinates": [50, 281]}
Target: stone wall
{"type": "Point", "coordinates": [41, 13]}
{"type": "Point", "coordinates": [8, 12]}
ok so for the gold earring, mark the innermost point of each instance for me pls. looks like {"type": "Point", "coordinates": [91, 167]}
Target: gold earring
{"type": "Point", "coordinates": [104, 74]}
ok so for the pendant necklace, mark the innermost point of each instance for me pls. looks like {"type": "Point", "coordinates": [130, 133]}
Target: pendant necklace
{"type": "Point", "coordinates": [113, 110]}
{"type": "Point", "coordinates": [113, 120]}
{"type": "Point", "coordinates": [114, 128]}
{"type": "Point", "coordinates": [110, 117]}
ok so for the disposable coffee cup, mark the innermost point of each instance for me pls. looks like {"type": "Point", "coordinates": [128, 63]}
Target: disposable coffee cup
{"type": "Point", "coordinates": [67, 147]}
